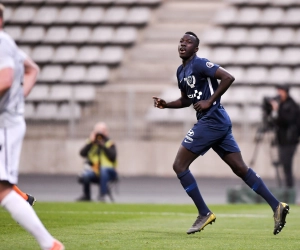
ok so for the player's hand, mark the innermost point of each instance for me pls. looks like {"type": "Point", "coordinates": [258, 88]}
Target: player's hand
{"type": "Point", "coordinates": [159, 103]}
{"type": "Point", "coordinates": [202, 105]}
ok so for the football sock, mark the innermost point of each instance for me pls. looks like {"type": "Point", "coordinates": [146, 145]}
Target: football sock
{"type": "Point", "coordinates": [189, 183]}
{"type": "Point", "coordinates": [25, 196]}
{"type": "Point", "coordinates": [23, 213]}
{"type": "Point", "coordinates": [254, 181]}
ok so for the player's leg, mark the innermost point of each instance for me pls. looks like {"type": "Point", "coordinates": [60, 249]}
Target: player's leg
{"type": "Point", "coordinates": [181, 165]}
{"type": "Point", "coordinates": [19, 209]}
{"type": "Point", "coordinates": [27, 197]}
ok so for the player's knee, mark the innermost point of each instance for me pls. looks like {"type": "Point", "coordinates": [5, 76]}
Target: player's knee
{"type": "Point", "coordinates": [178, 168]}
{"type": "Point", "coordinates": [240, 170]}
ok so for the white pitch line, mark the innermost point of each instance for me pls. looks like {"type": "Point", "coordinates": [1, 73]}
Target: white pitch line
{"type": "Point", "coordinates": [155, 213]}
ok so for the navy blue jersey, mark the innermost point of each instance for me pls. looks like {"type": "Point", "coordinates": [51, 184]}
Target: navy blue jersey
{"type": "Point", "coordinates": [197, 81]}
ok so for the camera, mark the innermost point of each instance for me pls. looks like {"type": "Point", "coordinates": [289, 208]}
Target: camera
{"type": "Point", "coordinates": [99, 137]}
{"type": "Point", "coordinates": [267, 119]}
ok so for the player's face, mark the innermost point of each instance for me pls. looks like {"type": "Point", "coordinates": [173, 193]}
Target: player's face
{"type": "Point", "coordinates": [187, 47]}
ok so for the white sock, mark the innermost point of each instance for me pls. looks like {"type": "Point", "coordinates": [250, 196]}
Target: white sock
{"type": "Point", "coordinates": [23, 213]}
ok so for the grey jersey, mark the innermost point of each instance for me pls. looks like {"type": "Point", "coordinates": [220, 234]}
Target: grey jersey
{"type": "Point", "coordinates": [12, 101]}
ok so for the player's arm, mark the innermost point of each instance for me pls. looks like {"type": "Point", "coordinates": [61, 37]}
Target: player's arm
{"type": "Point", "coordinates": [31, 71]}
{"type": "Point", "coordinates": [182, 102]}
{"type": "Point", "coordinates": [6, 79]}
{"type": "Point", "coordinates": [226, 80]}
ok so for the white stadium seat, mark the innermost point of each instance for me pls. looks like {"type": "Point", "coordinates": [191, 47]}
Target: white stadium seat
{"type": "Point", "coordinates": [204, 52]}
{"type": "Point", "coordinates": [79, 34]}
{"type": "Point", "coordinates": [69, 15]}
{"type": "Point", "coordinates": [111, 55]}
{"type": "Point", "coordinates": [102, 35]}
{"type": "Point", "coordinates": [226, 16]}
{"type": "Point", "coordinates": [46, 111]}
{"type": "Point", "coordinates": [259, 93]}
{"type": "Point", "coordinates": [269, 55]}
{"type": "Point", "coordinates": [236, 36]}
{"type": "Point", "coordinates": [235, 114]}
{"type": "Point", "coordinates": [249, 16]}
{"type": "Point", "coordinates": [65, 54]}
{"type": "Point", "coordinates": [56, 35]}
{"type": "Point", "coordinates": [33, 34]}
{"type": "Point", "coordinates": [97, 74]}
{"type": "Point", "coordinates": [283, 3]}
{"type": "Point", "coordinates": [46, 15]}
{"type": "Point", "coordinates": [290, 56]}
{"type": "Point", "coordinates": [26, 49]}
{"type": "Point", "coordinates": [14, 31]}
{"type": "Point", "coordinates": [259, 36]}
{"type": "Point", "coordinates": [125, 35]}
{"type": "Point", "coordinates": [125, 2]}
{"type": "Point", "coordinates": [39, 93]}
{"type": "Point", "coordinates": [214, 36]}
{"type": "Point", "coordinates": [29, 111]}
{"type": "Point", "coordinates": [51, 73]}
{"type": "Point", "coordinates": [283, 36]}
{"type": "Point", "coordinates": [74, 74]}
{"type": "Point", "coordinates": [84, 93]}
{"type": "Point", "coordinates": [272, 16]}
{"type": "Point", "coordinates": [237, 72]}
{"type": "Point", "coordinates": [23, 14]}
{"type": "Point", "coordinates": [254, 115]}
{"type": "Point", "coordinates": [42, 54]}
{"type": "Point", "coordinates": [246, 55]}
{"type": "Point", "coordinates": [292, 16]}
{"type": "Point", "coordinates": [222, 55]}
{"type": "Point", "coordinates": [115, 15]}
{"type": "Point", "coordinates": [295, 79]}
{"type": "Point", "coordinates": [67, 112]}
{"type": "Point", "coordinates": [60, 93]}
{"type": "Point", "coordinates": [256, 75]}
{"type": "Point", "coordinates": [279, 75]}
{"type": "Point", "coordinates": [92, 15]}
{"type": "Point", "coordinates": [8, 14]}
{"type": "Point", "coordinates": [138, 16]}
{"type": "Point", "coordinates": [88, 54]}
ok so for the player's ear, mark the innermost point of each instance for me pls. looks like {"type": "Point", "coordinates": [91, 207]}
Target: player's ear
{"type": "Point", "coordinates": [196, 49]}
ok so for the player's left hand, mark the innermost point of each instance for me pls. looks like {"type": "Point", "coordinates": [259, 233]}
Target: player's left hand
{"type": "Point", "coordinates": [202, 105]}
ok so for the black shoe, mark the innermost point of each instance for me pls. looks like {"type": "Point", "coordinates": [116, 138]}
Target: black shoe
{"type": "Point", "coordinates": [201, 222]}
{"type": "Point", "coordinates": [279, 217]}
{"type": "Point", "coordinates": [84, 198]}
{"type": "Point", "coordinates": [31, 200]}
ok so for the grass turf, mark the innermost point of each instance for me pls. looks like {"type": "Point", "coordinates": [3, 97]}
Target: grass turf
{"type": "Point", "coordinates": [86, 226]}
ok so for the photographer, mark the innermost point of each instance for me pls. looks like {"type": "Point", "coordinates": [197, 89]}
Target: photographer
{"type": "Point", "coordinates": [100, 153]}
{"type": "Point", "coordinates": [286, 114]}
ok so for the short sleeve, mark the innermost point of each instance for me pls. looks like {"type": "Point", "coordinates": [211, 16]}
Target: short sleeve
{"type": "Point", "coordinates": [6, 59]}
{"type": "Point", "coordinates": [206, 68]}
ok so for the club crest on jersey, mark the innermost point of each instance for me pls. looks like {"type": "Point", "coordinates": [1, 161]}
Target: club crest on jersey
{"type": "Point", "coordinates": [191, 81]}
{"type": "Point", "coordinates": [209, 64]}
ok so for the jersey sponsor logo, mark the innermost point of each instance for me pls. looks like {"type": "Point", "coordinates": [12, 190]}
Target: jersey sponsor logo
{"type": "Point", "coordinates": [191, 132]}
{"type": "Point", "coordinates": [196, 94]}
{"type": "Point", "coordinates": [191, 81]}
{"type": "Point", "coordinates": [209, 64]}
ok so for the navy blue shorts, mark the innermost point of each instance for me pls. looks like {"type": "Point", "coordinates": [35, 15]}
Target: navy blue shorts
{"type": "Point", "coordinates": [204, 136]}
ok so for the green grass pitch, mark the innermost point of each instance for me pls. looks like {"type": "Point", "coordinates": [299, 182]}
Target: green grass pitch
{"type": "Point", "coordinates": [86, 226]}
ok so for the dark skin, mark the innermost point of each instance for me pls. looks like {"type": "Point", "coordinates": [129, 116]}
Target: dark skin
{"type": "Point", "coordinates": [187, 49]}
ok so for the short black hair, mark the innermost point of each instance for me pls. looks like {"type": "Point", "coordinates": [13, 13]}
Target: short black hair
{"type": "Point", "coordinates": [284, 87]}
{"type": "Point", "coordinates": [194, 35]}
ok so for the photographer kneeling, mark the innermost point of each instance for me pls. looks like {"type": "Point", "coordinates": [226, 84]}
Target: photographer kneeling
{"type": "Point", "coordinates": [101, 154]}
{"type": "Point", "coordinates": [286, 118]}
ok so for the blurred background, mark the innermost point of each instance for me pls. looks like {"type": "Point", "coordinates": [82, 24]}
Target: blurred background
{"type": "Point", "coordinates": [103, 60]}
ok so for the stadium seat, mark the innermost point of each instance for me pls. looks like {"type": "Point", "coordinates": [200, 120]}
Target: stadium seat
{"type": "Point", "coordinates": [283, 3]}
{"type": "Point", "coordinates": [65, 54]}
{"type": "Point", "coordinates": [56, 1]}
{"type": "Point", "coordinates": [272, 16]}
{"type": "Point", "coordinates": [84, 93]}
{"type": "Point", "coordinates": [8, 14]}
{"type": "Point", "coordinates": [214, 36]}
{"type": "Point", "coordinates": [46, 111]}
{"type": "Point", "coordinates": [26, 49]}
{"type": "Point", "coordinates": [248, 16]}
{"type": "Point", "coordinates": [59, 93]}
{"type": "Point", "coordinates": [269, 56]}
{"type": "Point", "coordinates": [235, 36]}
{"type": "Point", "coordinates": [23, 15]}
{"type": "Point", "coordinates": [68, 15]}
{"type": "Point", "coordinates": [295, 79]}
{"type": "Point", "coordinates": [297, 37]}
{"type": "Point", "coordinates": [235, 114]}
{"type": "Point", "coordinates": [102, 2]}
{"type": "Point", "coordinates": [92, 15]}
{"type": "Point", "coordinates": [67, 112]}
{"type": "Point", "coordinates": [238, 73]}
{"type": "Point", "coordinates": [259, 2]}
{"type": "Point", "coordinates": [292, 16]}
{"type": "Point", "coordinates": [259, 36]}
{"type": "Point", "coordinates": [138, 16]}
{"type": "Point", "coordinates": [125, 35]}
{"type": "Point", "coordinates": [14, 31]}
{"type": "Point", "coordinates": [56, 35]}
{"type": "Point", "coordinates": [39, 93]}
{"type": "Point", "coordinates": [256, 75]}
{"type": "Point", "coordinates": [33, 34]}
{"type": "Point", "coordinates": [115, 15]}
{"type": "Point", "coordinates": [246, 55]}
{"type": "Point", "coordinates": [125, 2]}
{"type": "Point", "coordinates": [226, 16]}
{"type": "Point", "coordinates": [237, 95]}
{"type": "Point", "coordinates": [88, 54]}
{"type": "Point", "coordinates": [260, 92]}
{"type": "Point", "coordinates": [42, 54]}
{"type": "Point", "coordinates": [254, 115]}
{"type": "Point", "coordinates": [111, 55]}
{"type": "Point", "coordinates": [290, 56]}
{"type": "Point", "coordinates": [51, 73]}
{"type": "Point", "coordinates": [79, 35]}
{"type": "Point", "coordinates": [295, 94]}
{"type": "Point", "coordinates": [74, 74]}
{"type": "Point", "coordinates": [102, 35]}
{"type": "Point", "coordinates": [279, 75]}
{"type": "Point", "coordinates": [283, 36]}
{"type": "Point", "coordinates": [29, 111]}
{"type": "Point", "coordinates": [222, 55]}
{"type": "Point", "coordinates": [149, 2]}
{"type": "Point", "coordinates": [97, 74]}
{"type": "Point", "coordinates": [45, 15]}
